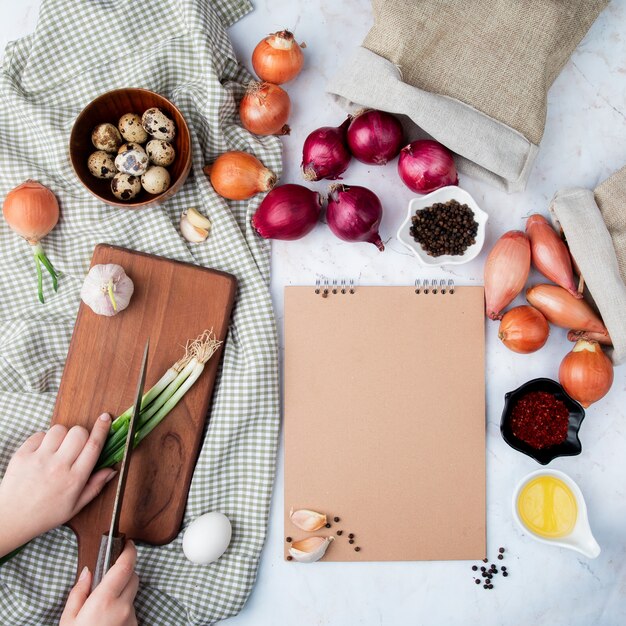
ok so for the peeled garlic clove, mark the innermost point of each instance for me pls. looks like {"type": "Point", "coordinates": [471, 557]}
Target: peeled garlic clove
{"type": "Point", "coordinates": [107, 290]}
{"type": "Point", "coordinates": [310, 549]}
{"type": "Point", "coordinates": [307, 520]}
{"type": "Point", "coordinates": [194, 226]}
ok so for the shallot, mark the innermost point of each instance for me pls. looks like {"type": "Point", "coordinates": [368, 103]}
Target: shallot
{"type": "Point", "coordinates": [575, 335]}
{"type": "Point", "coordinates": [523, 329]}
{"type": "Point", "coordinates": [562, 309]}
{"type": "Point", "coordinates": [426, 165]}
{"type": "Point", "coordinates": [550, 254]}
{"type": "Point", "coordinates": [586, 373]}
{"type": "Point", "coordinates": [325, 153]}
{"type": "Point", "coordinates": [32, 211]}
{"type": "Point", "coordinates": [287, 212]}
{"type": "Point", "coordinates": [375, 137]}
{"type": "Point", "coordinates": [506, 271]}
{"type": "Point", "coordinates": [354, 214]}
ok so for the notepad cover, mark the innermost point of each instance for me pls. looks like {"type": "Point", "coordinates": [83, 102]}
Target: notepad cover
{"type": "Point", "coordinates": [384, 403]}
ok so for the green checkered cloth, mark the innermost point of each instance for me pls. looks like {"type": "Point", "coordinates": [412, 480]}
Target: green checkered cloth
{"type": "Point", "coordinates": [179, 48]}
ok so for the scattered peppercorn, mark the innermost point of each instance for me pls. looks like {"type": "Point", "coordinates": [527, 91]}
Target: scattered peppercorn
{"type": "Point", "coordinates": [351, 541]}
{"type": "Point", "coordinates": [540, 419]}
{"type": "Point", "coordinates": [477, 581]}
{"type": "Point", "coordinates": [336, 519]}
{"type": "Point", "coordinates": [357, 549]}
{"type": "Point", "coordinates": [448, 228]}
{"type": "Point", "coordinates": [474, 568]}
{"type": "Point", "coordinates": [485, 586]}
{"type": "Point", "coordinates": [483, 568]}
{"type": "Point", "coordinates": [340, 532]}
{"type": "Point", "coordinates": [327, 525]}
{"type": "Point", "coordinates": [505, 574]}
{"type": "Point", "coordinates": [351, 536]}
{"type": "Point", "coordinates": [500, 557]}
{"type": "Point", "coordinates": [485, 560]}
{"type": "Point", "coordinates": [290, 558]}
{"type": "Point", "coordinates": [503, 568]}
{"type": "Point", "coordinates": [289, 540]}
{"type": "Point", "coordinates": [501, 550]}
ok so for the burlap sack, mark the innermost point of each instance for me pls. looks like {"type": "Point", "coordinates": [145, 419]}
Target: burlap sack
{"type": "Point", "coordinates": [474, 74]}
{"type": "Point", "coordinates": [594, 223]}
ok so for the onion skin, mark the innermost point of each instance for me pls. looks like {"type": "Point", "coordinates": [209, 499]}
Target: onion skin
{"type": "Point", "coordinates": [506, 271]}
{"type": "Point", "coordinates": [562, 309]}
{"type": "Point", "coordinates": [287, 212]}
{"type": "Point", "coordinates": [550, 254]}
{"type": "Point", "coordinates": [354, 214]}
{"type": "Point", "coordinates": [325, 153]}
{"type": "Point", "coordinates": [523, 329]}
{"type": "Point", "coordinates": [239, 176]}
{"type": "Point", "coordinates": [426, 165]}
{"type": "Point", "coordinates": [375, 137]}
{"type": "Point", "coordinates": [264, 109]}
{"type": "Point", "coordinates": [31, 210]}
{"type": "Point", "coordinates": [278, 58]}
{"type": "Point", "coordinates": [586, 373]}
{"type": "Point", "coordinates": [575, 335]}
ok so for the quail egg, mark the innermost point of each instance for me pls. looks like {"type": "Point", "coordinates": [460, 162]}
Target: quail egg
{"type": "Point", "coordinates": [130, 146]}
{"type": "Point", "coordinates": [156, 179]}
{"type": "Point", "coordinates": [106, 137]}
{"type": "Point", "coordinates": [160, 152]}
{"type": "Point", "coordinates": [101, 164]}
{"type": "Point", "coordinates": [157, 124]}
{"type": "Point", "coordinates": [131, 129]}
{"type": "Point", "coordinates": [133, 162]}
{"type": "Point", "coordinates": [125, 186]}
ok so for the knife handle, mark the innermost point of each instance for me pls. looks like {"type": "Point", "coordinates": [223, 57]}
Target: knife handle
{"type": "Point", "coordinates": [116, 549]}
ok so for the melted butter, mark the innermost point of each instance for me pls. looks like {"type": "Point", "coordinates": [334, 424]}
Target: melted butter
{"type": "Point", "coordinates": [547, 507]}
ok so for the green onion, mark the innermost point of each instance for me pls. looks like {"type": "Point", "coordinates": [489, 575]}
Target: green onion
{"type": "Point", "coordinates": [157, 403]}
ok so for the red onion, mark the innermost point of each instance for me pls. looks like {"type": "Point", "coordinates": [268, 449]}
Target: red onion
{"type": "Point", "coordinates": [354, 214]}
{"type": "Point", "coordinates": [375, 137]}
{"type": "Point", "coordinates": [287, 212]}
{"type": "Point", "coordinates": [426, 165]}
{"type": "Point", "coordinates": [325, 153]}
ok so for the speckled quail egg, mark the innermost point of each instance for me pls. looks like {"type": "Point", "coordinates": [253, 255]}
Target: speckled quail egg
{"type": "Point", "coordinates": [156, 179]}
{"type": "Point", "coordinates": [101, 164]}
{"type": "Point", "coordinates": [130, 146]}
{"type": "Point", "coordinates": [157, 124]}
{"type": "Point", "coordinates": [106, 137]}
{"type": "Point", "coordinates": [131, 128]}
{"type": "Point", "coordinates": [133, 162]}
{"type": "Point", "coordinates": [125, 186]}
{"type": "Point", "coordinates": [160, 152]}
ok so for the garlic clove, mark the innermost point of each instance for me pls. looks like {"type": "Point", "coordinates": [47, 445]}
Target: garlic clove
{"type": "Point", "coordinates": [307, 520]}
{"type": "Point", "coordinates": [310, 549]}
{"type": "Point", "coordinates": [197, 219]}
{"type": "Point", "coordinates": [194, 226]}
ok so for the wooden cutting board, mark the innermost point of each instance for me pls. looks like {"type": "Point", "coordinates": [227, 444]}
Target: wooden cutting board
{"type": "Point", "coordinates": [172, 303]}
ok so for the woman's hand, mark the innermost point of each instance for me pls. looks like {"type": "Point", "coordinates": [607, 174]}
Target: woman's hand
{"type": "Point", "coordinates": [111, 602]}
{"type": "Point", "coordinates": [49, 480]}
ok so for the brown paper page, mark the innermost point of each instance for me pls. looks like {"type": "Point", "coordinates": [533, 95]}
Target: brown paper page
{"type": "Point", "coordinates": [385, 421]}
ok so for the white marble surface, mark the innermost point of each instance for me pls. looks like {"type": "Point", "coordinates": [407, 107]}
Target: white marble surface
{"type": "Point", "coordinates": [585, 140]}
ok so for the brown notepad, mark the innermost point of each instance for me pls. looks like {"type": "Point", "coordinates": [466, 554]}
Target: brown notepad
{"type": "Point", "coordinates": [385, 420]}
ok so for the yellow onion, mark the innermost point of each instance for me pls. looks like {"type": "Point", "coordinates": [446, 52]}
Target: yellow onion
{"type": "Point", "coordinates": [523, 329]}
{"type": "Point", "coordinates": [506, 271]}
{"type": "Point", "coordinates": [561, 308]}
{"type": "Point", "coordinates": [550, 254]}
{"type": "Point", "coordinates": [264, 109]}
{"type": "Point", "coordinates": [278, 58]}
{"type": "Point", "coordinates": [586, 373]}
{"type": "Point", "coordinates": [239, 176]}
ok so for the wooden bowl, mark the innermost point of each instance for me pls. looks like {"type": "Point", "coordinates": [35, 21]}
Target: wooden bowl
{"type": "Point", "coordinates": [109, 107]}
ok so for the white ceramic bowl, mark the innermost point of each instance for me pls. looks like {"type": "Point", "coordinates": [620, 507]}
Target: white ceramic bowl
{"type": "Point", "coordinates": [443, 195]}
{"type": "Point", "coordinates": [580, 539]}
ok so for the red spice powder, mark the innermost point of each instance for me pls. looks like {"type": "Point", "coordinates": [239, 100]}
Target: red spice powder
{"type": "Point", "coordinates": [540, 420]}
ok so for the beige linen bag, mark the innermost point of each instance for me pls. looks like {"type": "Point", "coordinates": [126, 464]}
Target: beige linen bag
{"type": "Point", "coordinates": [473, 74]}
{"type": "Point", "coordinates": [594, 223]}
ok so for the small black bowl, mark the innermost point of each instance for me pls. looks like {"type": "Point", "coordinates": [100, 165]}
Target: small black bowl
{"type": "Point", "coordinates": [570, 447]}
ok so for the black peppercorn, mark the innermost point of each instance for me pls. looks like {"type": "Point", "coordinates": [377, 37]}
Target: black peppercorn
{"type": "Point", "coordinates": [505, 574]}
{"type": "Point", "coordinates": [474, 567]}
{"type": "Point", "coordinates": [357, 549]}
{"type": "Point", "coordinates": [336, 519]}
{"type": "Point", "coordinates": [501, 550]}
{"type": "Point", "coordinates": [351, 541]}
{"type": "Point", "coordinates": [289, 540]}
{"type": "Point", "coordinates": [290, 558]}
{"type": "Point", "coordinates": [500, 557]}
{"type": "Point", "coordinates": [351, 536]}
{"type": "Point", "coordinates": [327, 525]}
{"type": "Point", "coordinates": [339, 533]}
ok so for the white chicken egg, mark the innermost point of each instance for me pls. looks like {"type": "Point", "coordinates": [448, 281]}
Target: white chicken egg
{"type": "Point", "coordinates": [207, 538]}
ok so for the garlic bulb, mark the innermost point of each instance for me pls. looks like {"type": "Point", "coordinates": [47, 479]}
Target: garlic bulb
{"type": "Point", "coordinates": [307, 520]}
{"type": "Point", "coordinates": [194, 226]}
{"type": "Point", "coordinates": [310, 549]}
{"type": "Point", "coordinates": [107, 290]}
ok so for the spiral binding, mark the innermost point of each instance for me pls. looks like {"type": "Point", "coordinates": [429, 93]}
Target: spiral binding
{"type": "Point", "coordinates": [324, 287]}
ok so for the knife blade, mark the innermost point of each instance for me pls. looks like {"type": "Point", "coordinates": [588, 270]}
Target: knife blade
{"type": "Point", "coordinates": [112, 543]}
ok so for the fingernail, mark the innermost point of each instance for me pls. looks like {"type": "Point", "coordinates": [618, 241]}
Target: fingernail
{"type": "Point", "coordinates": [105, 417]}
{"type": "Point", "coordinates": [110, 477]}
{"type": "Point", "coordinates": [84, 573]}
